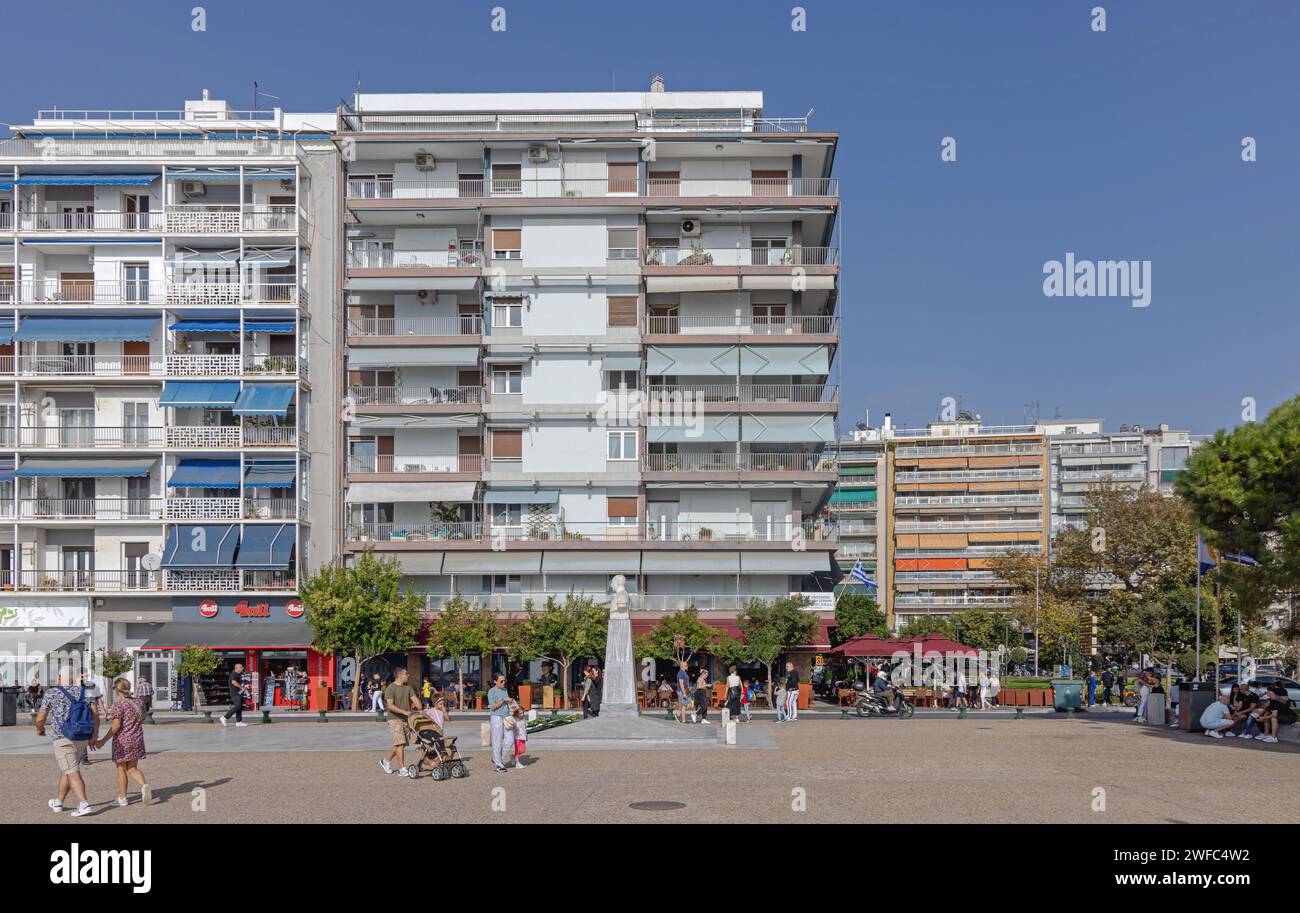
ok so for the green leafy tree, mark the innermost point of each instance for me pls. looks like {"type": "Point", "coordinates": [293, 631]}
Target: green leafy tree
{"type": "Point", "coordinates": [983, 629]}
{"type": "Point", "coordinates": [461, 630]}
{"type": "Point", "coordinates": [110, 664]}
{"type": "Point", "coordinates": [567, 631]}
{"type": "Point", "coordinates": [730, 651]}
{"type": "Point", "coordinates": [681, 635]}
{"type": "Point", "coordinates": [1164, 628]}
{"type": "Point", "coordinates": [769, 629]}
{"type": "Point", "coordinates": [195, 661]}
{"type": "Point", "coordinates": [857, 614]}
{"type": "Point", "coordinates": [925, 625]}
{"type": "Point", "coordinates": [362, 610]}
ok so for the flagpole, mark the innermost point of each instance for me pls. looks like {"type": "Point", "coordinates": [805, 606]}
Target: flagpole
{"type": "Point", "coordinates": [1198, 605]}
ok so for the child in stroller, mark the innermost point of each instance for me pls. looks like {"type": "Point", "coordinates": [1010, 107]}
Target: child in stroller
{"type": "Point", "coordinates": [438, 752]}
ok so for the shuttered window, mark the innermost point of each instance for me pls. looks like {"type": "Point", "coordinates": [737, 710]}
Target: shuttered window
{"type": "Point", "coordinates": [622, 507]}
{"type": "Point", "coordinates": [622, 310]}
{"type": "Point", "coordinates": [507, 445]}
{"type": "Point", "coordinates": [622, 177]}
{"type": "Point", "coordinates": [507, 243]}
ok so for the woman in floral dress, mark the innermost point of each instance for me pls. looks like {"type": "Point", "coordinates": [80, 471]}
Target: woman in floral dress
{"type": "Point", "coordinates": [127, 735]}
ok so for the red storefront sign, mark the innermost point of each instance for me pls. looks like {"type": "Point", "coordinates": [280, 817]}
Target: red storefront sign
{"type": "Point", "coordinates": [259, 610]}
{"type": "Point", "coordinates": [208, 608]}
{"type": "Point", "coordinates": [293, 608]}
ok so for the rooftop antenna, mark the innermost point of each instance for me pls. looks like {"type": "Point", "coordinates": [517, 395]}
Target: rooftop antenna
{"type": "Point", "coordinates": [258, 93]}
{"type": "Point", "coordinates": [1032, 412]}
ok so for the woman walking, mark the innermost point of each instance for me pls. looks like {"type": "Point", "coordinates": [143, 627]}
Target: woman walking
{"type": "Point", "coordinates": [127, 736]}
{"type": "Point", "coordinates": [734, 688]}
{"type": "Point", "coordinates": [702, 696]}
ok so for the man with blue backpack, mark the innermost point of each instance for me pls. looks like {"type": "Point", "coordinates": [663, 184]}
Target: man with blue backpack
{"type": "Point", "coordinates": [71, 712]}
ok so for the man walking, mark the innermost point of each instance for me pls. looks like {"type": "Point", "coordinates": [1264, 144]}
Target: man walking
{"type": "Point", "coordinates": [236, 682]}
{"type": "Point", "coordinates": [76, 724]}
{"type": "Point", "coordinates": [400, 699]}
{"type": "Point", "coordinates": [498, 700]}
{"type": "Point", "coordinates": [683, 692]}
{"type": "Point", "coordinates": [144, 693]}
{"type": "Point", "coordinates": [1107, 683]}
{"type": "Point", "coordinates": [791, 693]}
{"type": "Point", "coordinates": [597, 692]}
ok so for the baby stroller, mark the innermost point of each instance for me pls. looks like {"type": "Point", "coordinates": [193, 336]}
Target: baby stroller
{"type": "Point", "coordinates": [436, 749]}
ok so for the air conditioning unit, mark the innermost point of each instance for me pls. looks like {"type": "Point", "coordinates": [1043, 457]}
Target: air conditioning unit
{"type": "Point", "coordinates": [426, 297]}
{"type": "Point", "coordinates": [690, 228]}
{"type": "Point", "coordinates": [193, 188]}
{"type": "Point", "coordinates": [424, 161]}
{"type": "Point", "coordinates": [538, 154]}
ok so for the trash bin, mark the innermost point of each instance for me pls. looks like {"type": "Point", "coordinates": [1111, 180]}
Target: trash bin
{"type": "Point", "coordinates": [1193, 698]}
{"type": "Point", "coordinates": [8, 706]}
{"type": "Point", "coordinates": [1067, 694]}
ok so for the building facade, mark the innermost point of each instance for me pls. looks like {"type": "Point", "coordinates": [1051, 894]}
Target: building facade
{"type": "Point", "coordinates": [588, 335]}
{"type": "Point", "coordinates": [166, 280]}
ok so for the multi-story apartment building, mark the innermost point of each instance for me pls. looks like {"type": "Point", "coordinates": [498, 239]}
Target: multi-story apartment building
{"type": "Point", "coordinates": [166, 279]}
{"type": "Point", "coordinates": [855, 508]}
{"type": "Point", "coordinates": [590, 334]}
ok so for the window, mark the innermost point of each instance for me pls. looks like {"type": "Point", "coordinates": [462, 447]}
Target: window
{"type": "Point", "coordinates": [507, 379]}
{"type": "Point", "coordinates": [622, 445]}
{"type": "Point", "coordinates": [507, 312]}
{"type": "Point", "coordinates": [507, 179]}
{"type": "Point", "coordinates": [622, 511]}
{"type": "Point", "coordinates": [507, 445]}
{"type": "Point", "coordinates": [370, 186]}
{"type": "Point", "coordinates": [622, 244]}
{"type": "Point", "coordinates": [133, 573]}
{"type": "Point", "coordinates": [622, 310]}
{"type": "Point", "coordinates": [502, 583]}
{"type": "Point", "coordinates": [616, 379]}
{"type": "Point", "coordinates": [768, 251]}
{"type": "Point", "coordinates": [1174, 457]}
{"type": "Point", "coordinates": [370, 254]}
{"type": "Point", "coordinates": [507, 515]}
{"type": "Point", "coordinates": [507, 243]}
{"type": "Point", "coordinates": [622, 177]}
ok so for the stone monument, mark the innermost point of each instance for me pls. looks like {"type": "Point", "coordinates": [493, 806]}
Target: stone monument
{"type": "Point", "coordinates": [619, 696]}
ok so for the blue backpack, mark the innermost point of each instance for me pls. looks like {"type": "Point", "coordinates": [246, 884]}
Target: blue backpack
{"type": "Point", "coordinates": [80, 722]}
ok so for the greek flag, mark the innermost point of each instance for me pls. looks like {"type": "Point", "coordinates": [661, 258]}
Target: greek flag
{"type": "Point", "coordinates": [1209, 558]}
{"type": "Point", "coordinates": [859, 573]}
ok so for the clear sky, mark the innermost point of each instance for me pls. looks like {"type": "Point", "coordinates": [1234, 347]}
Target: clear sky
{"type": "Point", "coordinates": [1123, 144]}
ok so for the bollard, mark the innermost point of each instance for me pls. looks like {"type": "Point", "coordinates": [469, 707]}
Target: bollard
{"type": "Point", "coordinates": [266, 716]}
{"type": "Point", "coordinates": [207, 716]}
{"type": "Point", "coordinates": [668, 714]}
{"type": "Point", "coordinates": [485, 735]}
{"type": "Point", "coordinates": [1069, 713]}
{"type": "Point", "coordinates": [321, 717]}
{"type": "Point", "coordinates": [1020, 713]}
{"type": "Point", "coordinates": [379, 716]}
{"type": "Point", "coordinates": [726, 716]}
{"type": "Point", "coordinates": [731, 732]}
{"type": "Point", "coordinates": [961, 713]}
{"type": "Point", "coordinates": [844, 713]}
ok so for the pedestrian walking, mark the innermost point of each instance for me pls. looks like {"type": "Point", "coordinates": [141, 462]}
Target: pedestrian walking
{"type": "Point", "coordinates": [521, 733]}
{"type": "Point", "coordinates": [376, 688]}
{"type": "Point", "coordinates": [1144, 697]}
{"type": "Point", "coordinates": [1092, 688]}
{"type": "Point", "coordinates": [746, 698]}
{"type": "Point", "coordinates": [75, 725]}
{"type": "Point", "coordinates": [597, 693]}
{"type": "Point", "coordinates": [683, 692]}
{"type": "Point", "coordinates": [498, 699]}
{"type": "Point", "coordinates": [702, 697]}
{"type": "Point", "coordinates": [400, 699]}
{"type": "Point", "coordinates": [144, 694]}
{"type": "Point", "coordinates": [780, 700]}
{"type": "Point", "coordinates": [1107, 683]}
{"type": "Point", "coordinates": [985, 704]}
{"type": "Point", "coordinates": [586, 692]}
{"type": "Point", "coordinates": [126, 732]}
{"type": "Point", "coordinates": [734, 688]}
{"type": "Point", "coordinates": [235, 682]}
{"type": "Point", "coordinates": [791, 693]}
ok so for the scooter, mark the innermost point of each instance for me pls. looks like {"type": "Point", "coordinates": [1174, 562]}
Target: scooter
{"type": "Point", "coordinates": [869, 703]}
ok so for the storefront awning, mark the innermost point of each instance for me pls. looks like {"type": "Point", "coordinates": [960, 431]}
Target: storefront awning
{"type": "Point", "coordinates": [176, 635]}
{"type": "Point", "coordinates": [88, 180]}
{"type": "Point", "coordinates": [213, 174]}
{"type": "Point", "coordinates": [84, 469]}
{"type": "Point", "coordinates": [270, 474]}
{"type": "Point", "coordinates": [521, 496]}
{"type": "Point", "coordinates": [200, 547]}
{"type": "Point", "coordinates": [181, 394]}
{"type": "Point", "coordinates": [85, 329]}
{"type": "Point", "coordinates": [406, 492]}
{"type": "Point", "coordinates": [264, 399]}
{"type": "Point", "coordinates": [205, 474]}
{"type": "Point", "coordinates": [266, 547]}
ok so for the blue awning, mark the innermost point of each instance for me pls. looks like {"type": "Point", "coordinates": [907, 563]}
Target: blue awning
{"type": "Point", "coordinates": [6, 185]}
{"type": "Point", "coordinates": [270, 474]}
{"type": "Point", "coordinates": [137, 180]}
{"type": "Point", "coordinates": [267, 547]}
{"type": "Point", "coordinates": [206, 326]}
{"type": "Point", "coordinates": [266, 326]}
{"type": "Point", "coordinates": [522, 497]}
{"type": "Point", "coordinates": [179, 394]}
{"type": "Point", "coordinates": [264, 399]}
{"type": "Point", "coordinates": [205, 474]}
{"type": "Point", "coordinates": [200, 547]}
{"type": "Point", "coordinates": [7, 475]}
{"type": "Point", "coordinates": [6, 330]}
{"type": "Point", "coordinates": [85, 329]}
{"type": "Point", "coordinates": [84, 469]}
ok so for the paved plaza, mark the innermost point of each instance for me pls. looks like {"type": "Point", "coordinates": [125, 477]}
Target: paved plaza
{"type": "Point", "coordinates": [934, 768]}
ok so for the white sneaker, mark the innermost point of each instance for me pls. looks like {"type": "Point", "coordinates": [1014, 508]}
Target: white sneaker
{"type": "Point", "coordinates": [1268, 738]}
{"type": "Point", "coordinates": [122, 801]}
{"type": "Point", "coordinates": [146, 794]}
{"type": "Point", "coordinates": [1248, 736]}
{"type": "Point", "coordinates": [239, 725]}
{"type": "Point", "coordinates": [401, 772]}
{"type": "Point", "coordinates": [1214, 734]}
{"type": "Point", "coordinates": [706, 722]}
{"type": "Point", "coordinates": [1229, 734]}
{"type": "Point", "coordinates": [386, 766]}
{"type": "Point", "coordinates": [223, 720]}
{"type": "Point", "coordinates": [82, 809]}
{"type": "Point", "coordinates": [55, 806]}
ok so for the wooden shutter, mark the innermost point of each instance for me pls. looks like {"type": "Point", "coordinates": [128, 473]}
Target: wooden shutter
{"type": "Point", "coordinates": [622, 310]}
{"type": "Point", "coordinates": [135, 356]}
{"type": "Point", "coordinates": [507, 239]}
{"type": "Point", "coordinates": [469, 445]}
{"type": "Point", "coordinates": [622, 177]}
{"type": "Point", "coordinates": [622, 507]}
{"type": "Point", "coordinates": [507, 445]}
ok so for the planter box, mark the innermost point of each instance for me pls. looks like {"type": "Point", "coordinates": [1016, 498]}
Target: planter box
{"type": "Point", "coordinates": [526, 696]}
{"type": "Point", "coordinates": [805, 695]}
{"type": "Point", "coordinates": [1037, 697]}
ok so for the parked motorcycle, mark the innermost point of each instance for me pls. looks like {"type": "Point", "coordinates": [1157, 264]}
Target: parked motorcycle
{"type": "Point", "coordinates": [869, 703]}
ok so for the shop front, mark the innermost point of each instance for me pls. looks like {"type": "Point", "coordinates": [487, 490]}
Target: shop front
{"type": "Point", "coordinates": [268, 636]}
{"type": "Point", "coordinates": [39, 635]}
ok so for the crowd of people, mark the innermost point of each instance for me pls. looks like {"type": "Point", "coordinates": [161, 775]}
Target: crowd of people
{"type": "Point", "coordinates": [1239, 712]}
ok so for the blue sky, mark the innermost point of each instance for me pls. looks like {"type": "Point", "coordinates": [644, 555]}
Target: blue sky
{"type": "Point", "coordinates": [1116, 145]}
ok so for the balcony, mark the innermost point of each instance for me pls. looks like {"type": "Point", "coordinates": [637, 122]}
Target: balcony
{"type": "Point", "coordinates": [403, 463]}
{"type": "Point", "coordinates": [90, 508]}
{"type": "Point", "coordinates": [912, 600]}
{"type": "Point", "coordinates": [53, 221]}
{"type": "Point", "coordinates": [1122, 475]}
{"type": "Point", "coordinates": [203, 366]}
{"type": "Point", "coordinates": [921, 526]}
{"type": "Point", "coordinates": [229, 219]}
{"type": "Point", "coordinates": [464, 325]}
{"type": "Point", "coordinates": [617, 122]}
{"type": "Point", "coordinates": [229, 581]}
{"type": "Point", "coordinates": [91, 365]}
{"type": "Point", "coordinates": [905, 452]}
{"type": "Point", "coordinates": [935, 577]}
{"type": "Point", "coordinates": [233, 294]}
{"type": "Point", "coordinates": [202, 508]}
{"type": "Point", "coordinates": [96, 437]}
{"type": "Point", "coordinates": [746, 393]}
{"type": "Point", "coordinates": [233, 437]}
{"type": "Point", "coordinates": [275, 366]}
{"type": "Point", "coordinates": [1114, 448]}
{"type": "Point", "coordinates": [797, 325]}
{"type": "Point", "coordinates": [742, 462]}
{"type": "Point", "coordinates": [740, 256]}
{"type": "Point", "coordinates": [274, 509]}
{"type": "Point", "coordinates": [415, 396]}
{"type": "Point", "coordinates": [88, 581]}
{"type": "Point", "coordinates": [1033, 474]}
{"type": "Point", "coordinates": [555, 529]}
{"type": "Point", "coordinates": [562, 188]}
{"type": "Point", "coordinates": [79, 291]}
{"type": "Point", "coordinates": [1027, 500]}
{"type": "Point", "coordinates": [409, 259]}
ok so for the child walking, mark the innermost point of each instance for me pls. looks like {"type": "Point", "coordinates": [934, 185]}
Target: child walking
{"type": "Point", "coordinates": [521, 734]}
{"type": "Point", "coordinates": [746, 697]}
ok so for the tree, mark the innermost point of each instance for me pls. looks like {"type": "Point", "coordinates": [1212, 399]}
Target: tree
{"type": "Point", "coordinates": [769, 629]}
{"type": "Point", "coordinates": [362, 610]}
{"type": "Point", "coordinates": [196, 661]}
{"type": "Point", "coordinates": [857, 614]}
{"type": "Point", "coordinates": [983, 629]}
{"type": "Point", "coordinates": [461, 630]}
{"type": "Point", "coordinates": [567, 631]}
{"type": "Point", "coordinates": [925, 625]}
{"type": "Point", "coordinates": [1164, 628]}
{"type": "Point", "coordinates": [109, 664]}
{"type": "Point", "coordinates": [730, 651]}
{"type": "Point", "coordinates": [681, 635]}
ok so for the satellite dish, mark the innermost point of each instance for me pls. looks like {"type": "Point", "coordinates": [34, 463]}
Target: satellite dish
{"type": "Point", "coordinates": [151, 562]}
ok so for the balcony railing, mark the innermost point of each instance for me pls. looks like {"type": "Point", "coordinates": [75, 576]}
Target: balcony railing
{"type": "Point", "coordinates": [98, 220]}
{"type": "Point", "coordinates": [228, 581]}
{"type": "Point", "coordinates": [81, 437]}
{"type": "Point", "coordinates": [410, 259]}
{"type": "Point", "coordinates": [203, 366]}
{"type": "Point", "coordinates": [272, 508]}
{"type": "Point", "coordinates": [276, 365]}
{"type": "Point", "coordinates": [799, 324]}
{"type": "Point", "coordinates": [274, 436]}
{"type": "Point", "coordinates": [744, 462]}
{"type": "Point", "coordinates": [208, 219]}
{"type": "Point", "coordinates": [110, 581]}
{"type": "Point", "coordinates": [473, 188]}
{"type": "Point", "coordinates": [747, 393]}
{"type": "Point", "coordinates": [971, 475]}
{"type": "Point", "coordinates": [202, 508]}
{"type": "Point", "coordinates": [414, 396]}
{"type": "Point", "coordinates": [1027, 500]}
{"type": "Point", "coordinates": [1119, 448]}
{"type": "Point", "coordinates": [743, 256]}
{"type": "Point", "coordinates": [913, 526]}
{"type": "Point", "coordinates": [90, 508]}
{"type": "Point", "coordinates": [232, 437]}
{"type": "Point", "coordinates": [271, 218]}
{"type": "Point", "coordinates": [945, 577]}
{"type": "Point", "coordinates": [1121, 475]}
{"type": "Point", "coordinates": [234, 293]}
{"type": "Point", "coordinates": [557, 530]}
{"type": "Point", "coordinates": [437, 532]}
{"type": "Point", "coordinates": [91, 365]}
{"type": "Point", "coordinates": [387, 462]}
{"type": "Point", "coordinates": [79, 291]}
{"type": "Point", "coordinates": [909, 599]}
{"type": "Point", "coordinates": [464, 325]}
{"type": "Point", "coordinates": [902, 451]}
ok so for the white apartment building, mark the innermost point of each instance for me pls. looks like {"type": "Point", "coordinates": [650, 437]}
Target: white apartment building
{"type": "Point", "coordinates": [590, 334]}
{"type": "Point", "coordinates": [166, 280]}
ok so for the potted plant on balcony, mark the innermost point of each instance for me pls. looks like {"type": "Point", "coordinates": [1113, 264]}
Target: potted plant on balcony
{"type": "Point", "coordinates": [705, 532]}
{"type": "Point", "coordinates": [698, 256]}
{"type": "Point", "coordinates": [654, 255]}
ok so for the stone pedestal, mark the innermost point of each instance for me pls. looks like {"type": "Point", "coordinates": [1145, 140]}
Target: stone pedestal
{"type": "Point", "coordinates": [619, 695]}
